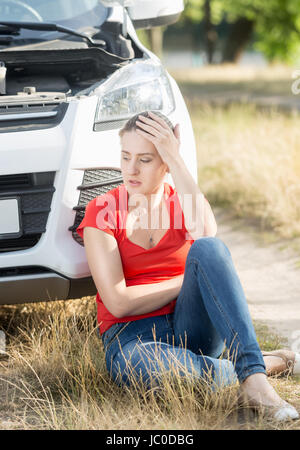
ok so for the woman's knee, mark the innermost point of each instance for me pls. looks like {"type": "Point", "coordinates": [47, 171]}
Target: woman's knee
{"type": "Point", "coordinates": [209, 248]}
{"type": "Point", "coordinates": [224, 373]}
{"type": "Point", "coordinates": [138, 362]}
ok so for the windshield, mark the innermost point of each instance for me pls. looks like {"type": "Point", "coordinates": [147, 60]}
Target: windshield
{"type": "Point", "coordinates": [74, 14]}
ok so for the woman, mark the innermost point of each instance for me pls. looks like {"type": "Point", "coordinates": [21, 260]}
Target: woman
{"type": "Point", "coordinates": [168, 293]}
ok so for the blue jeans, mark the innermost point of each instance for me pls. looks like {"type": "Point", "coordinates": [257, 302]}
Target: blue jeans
{"type": "Point", "coordinates": [211, 312]}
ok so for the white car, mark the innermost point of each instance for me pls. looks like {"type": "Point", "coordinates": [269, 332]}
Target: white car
{"type": "Point", "coordinates": [71, 73]}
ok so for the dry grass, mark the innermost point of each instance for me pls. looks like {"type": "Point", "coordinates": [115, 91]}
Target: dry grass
{"type": "Point", "coordinates": [250, 159]}
{"type": "Point", "coordinates": [248, 156]}
{"type": "Point", "coordinates": [229, 80]}
{"type": "Point", "coordinates": [55, 378]}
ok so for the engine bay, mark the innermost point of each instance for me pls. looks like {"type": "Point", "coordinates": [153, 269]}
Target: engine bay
{"type": "Point", "coordinates": [62, 65]}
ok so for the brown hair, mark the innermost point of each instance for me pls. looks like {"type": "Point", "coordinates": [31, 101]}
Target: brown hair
{"type": "Point", "coordinates": [131, 125]}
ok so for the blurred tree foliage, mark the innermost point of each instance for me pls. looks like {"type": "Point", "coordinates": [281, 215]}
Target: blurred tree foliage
{"type": "Point", "coordinates": [275, 24]}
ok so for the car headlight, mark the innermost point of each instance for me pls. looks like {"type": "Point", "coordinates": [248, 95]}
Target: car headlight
{"type": "Point", "coordinates": [138, 87]}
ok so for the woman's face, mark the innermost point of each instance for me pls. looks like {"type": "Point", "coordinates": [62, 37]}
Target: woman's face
{"type": "Point", "coordinates": [140, 161]}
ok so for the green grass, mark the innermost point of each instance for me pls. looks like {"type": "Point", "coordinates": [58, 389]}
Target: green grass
{"type": "Point", "coordinates": [268, 340]}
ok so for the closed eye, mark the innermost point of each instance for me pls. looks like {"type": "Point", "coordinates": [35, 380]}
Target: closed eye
{"type": "Point", "coordinates": [142, 160]}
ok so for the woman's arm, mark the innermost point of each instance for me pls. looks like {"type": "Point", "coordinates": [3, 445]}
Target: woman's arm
{"type": "Point", "coordinates": [106, 268]}
{"type": "Point", "coordinates": [199, 218]}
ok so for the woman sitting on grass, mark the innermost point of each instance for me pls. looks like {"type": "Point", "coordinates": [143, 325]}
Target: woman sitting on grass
{"type": "Point", "coordinates": [168, 293]}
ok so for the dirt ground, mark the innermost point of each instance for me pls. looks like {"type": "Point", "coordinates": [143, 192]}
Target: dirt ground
{"type": "Point", "coordinates": [269, 273]}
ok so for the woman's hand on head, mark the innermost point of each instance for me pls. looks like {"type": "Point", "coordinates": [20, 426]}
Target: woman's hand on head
{"type": "Point", "coordinates": [155, 130]}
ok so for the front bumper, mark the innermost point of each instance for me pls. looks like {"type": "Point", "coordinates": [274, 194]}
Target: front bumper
{"type": "Point", "coordinates": [43, 287]}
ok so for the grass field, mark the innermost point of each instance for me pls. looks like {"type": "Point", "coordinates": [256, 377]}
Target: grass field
{"type": "Point", "coordinates": [55, 378]}
{"type": "Point", "coordinates": [221, 81]}
{"type": "Point", "coordinates": [54, 374]}
{"type": "Point", "coordinates": [248, 156]}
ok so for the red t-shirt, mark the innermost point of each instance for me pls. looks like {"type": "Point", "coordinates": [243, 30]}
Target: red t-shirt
{"type": "Point", "coordinates": [164, 261]}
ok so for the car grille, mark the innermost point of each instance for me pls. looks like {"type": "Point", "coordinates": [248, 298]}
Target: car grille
{"type": "Point", "coordinates": [35, 192]}
{"type": "Point", "coordinates": [95, 182]}
{"type": "Point", "coordinates": [22, 116]}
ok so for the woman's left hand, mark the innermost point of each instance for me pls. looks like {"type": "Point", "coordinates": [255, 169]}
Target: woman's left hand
{"type": "Point", "coordinates": [166, 141]}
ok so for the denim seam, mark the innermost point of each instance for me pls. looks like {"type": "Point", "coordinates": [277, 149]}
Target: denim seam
{"type": "Point", "coordinates": [247, 372]}
{"type": "Point", "coordinates": [116, 336]}
{"type": "Point", "coordinates": [197, 262]}
{"type": "Point", "coordinates": [138, 340]}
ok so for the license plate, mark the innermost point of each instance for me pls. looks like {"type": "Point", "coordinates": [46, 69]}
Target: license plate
{"type": "Point", "coordinates": [9, 216]}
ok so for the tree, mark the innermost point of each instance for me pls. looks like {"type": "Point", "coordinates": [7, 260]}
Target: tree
{"type": "Point", "coordinates": [210, 34]}
{"type": "Point", "coordinates": [275, 24]}
{"type": "Point", "coordinates": [239, 35]}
